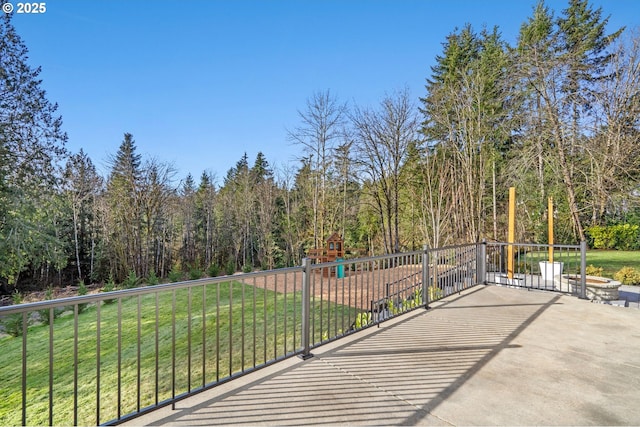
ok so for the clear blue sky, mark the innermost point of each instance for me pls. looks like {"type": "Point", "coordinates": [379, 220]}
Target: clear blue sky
{"type": "Point", "coordinates": [198, 83]}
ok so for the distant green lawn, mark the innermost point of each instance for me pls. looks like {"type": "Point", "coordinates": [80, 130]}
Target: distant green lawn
{"type": "Point", "coordinates": [612, 261]}
{"type": "Point", "coordinates": [237, 338]}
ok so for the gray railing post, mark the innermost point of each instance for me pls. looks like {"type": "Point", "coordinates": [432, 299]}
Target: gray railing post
{"type": "Point", "coordinates": [481, 262]}
{"type": "Point", "coordinates": [306, 309]}
{"type": "Point", "coordinates": [425, 275]}
{"type": "Point", "coordinates": [583, 269]}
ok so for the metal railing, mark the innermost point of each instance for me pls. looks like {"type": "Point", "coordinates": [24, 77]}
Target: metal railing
{"type": "Point", "coordinates": [531, 268]}
{"type": "Point", "coordinates": [108, 357]}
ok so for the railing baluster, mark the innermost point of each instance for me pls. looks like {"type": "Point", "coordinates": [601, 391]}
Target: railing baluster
{"type": "Point", "coordinates": [230, 327]}
{"type": "Point", "coordinates": [275, 314]}
{"type": "Point", "coordinates": [98, 321]}
{"type": "Point", "coordinates": [295, 311]}
{"type": "Point", "coordinates": [204, 335]}
{"type": "Point", "coordinates": [321, 312]}
{"type": "Point", "coordinates": [347, 271]}
{"type": "Point", "coordinates": [24, 368]}
{"type": "Point", "coordinates": [75, 365]}
{"type": "Point", "coordinates": [285, 314]}
{"type": "Point", "coordinates": [189, 339]}
{"type": "Point", "coordinates": [173, 349]}
{"type": "Point", "coordinates": [119, 405]}
{"type": "Point", "coordinates": [264, 328]}
{"type": "Point", "coordinates": [255, 309]}
{"type": "Point", "coordinates": [157, 361]}
{"type": "Point", "coordinates": [306, 285]}
{"type": "Point", "coordinates": [348, 287]}
{"type": "Point", "coordinates": [312, 294]}
{"type": "Point", "coordinates": [242, 322]}
{"type": "Point", "coordinates": [217, 331]}
{"type": "Point", "coordinates": [51, 366]}
{"type": "Point", "coordinates": [138, 373]}
{"type": "Point", "coordinates": [425, 276]}
{"type": "Point", "coordinates": [583, 269]}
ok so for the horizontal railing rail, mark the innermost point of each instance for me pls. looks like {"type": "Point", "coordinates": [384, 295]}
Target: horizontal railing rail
{"type": "Point", "coordinates": [108, 357]}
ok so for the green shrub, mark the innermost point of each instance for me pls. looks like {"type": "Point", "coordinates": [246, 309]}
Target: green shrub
{"type": "Point", "coordinates": [213, 270]}
{"type": "Point", "coordinates": [82, 290]}
{"type": "Point", "coordinates": [435, 293]}
{"type": "Point", "coordinates": [44, 313]}
{"type": "Point", "coordinates": [325, 335]}
{"type": "Point", "coordinates": [601, 236]}
{"type": "Point", "coordinates": [627, 236]}
{"type": "Point", "coordinates": [628, 276]}
{"type": "Point", "coordinates": [152, 280]}
{"type": "Point", "coordinates": [594, 271]}
{"type": "Point", "coordinates": [175, 275]}
{"type": "Point", "coordinates": [362, 320]}
{"type": "Point", "coordinates": [247, 268]}
{"type": "Point", "coordinates": [391, 307]}
{"type": "Point", "coordinates": [108, 287]}
{"type": "Point", "coordinates": [417, 297]}
{"type": "Point", "coordinates": [620, 236]}
{"type": "Point", "coordinates": [195, 273]}
{"type": "Point", "coordinates": [13, 323]}
{"type": "Point", "coordinates": [230, 268]}
{"type": "Point", "coordinates": [131, 281]}
{"type": "Point", "coordinates": [523, 267]}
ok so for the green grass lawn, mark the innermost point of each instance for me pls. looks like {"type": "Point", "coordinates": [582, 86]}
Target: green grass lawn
{"type": "Point", "coordinates": [236, 338]}
{"type": "Point", "coordinates": [609, 261]}
{"type": "Point", "coordinates": [612, 261]}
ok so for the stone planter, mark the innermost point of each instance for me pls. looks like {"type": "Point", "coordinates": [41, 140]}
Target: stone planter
{"type": "Point", "coordinates": [598, 288]}
{"type": "Point", "coordinates": [549, 270]}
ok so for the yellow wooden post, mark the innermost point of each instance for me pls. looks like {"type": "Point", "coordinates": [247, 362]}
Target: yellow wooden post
{"type": "Point", "coordinates": [512, 231]}
{"type": "Point", "coordinates": [550, 214]}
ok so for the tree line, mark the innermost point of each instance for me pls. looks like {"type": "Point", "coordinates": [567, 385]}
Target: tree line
{"type": "Point", "coordinates": [555, 114]}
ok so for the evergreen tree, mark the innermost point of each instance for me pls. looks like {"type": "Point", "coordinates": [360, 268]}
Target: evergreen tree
{"type": "Point", "coordinates": [206, 233]}
{"type": "Point", "coordinates": [559, 61]}
{"type": "Point", "coordinates": [466, 114]}
{"type": "Point", "coordinates": [583, 44]}
{"type": "Point", "coordinates": [188, 197]}
{"type": "Point", "coordinates": [31, 144]}
{"type": "Point", "coordinates": [265, 194]}
{"type": "Point", "coordinates": [125, 210]}
{"type": "Point", "coordinates": [261, 170]}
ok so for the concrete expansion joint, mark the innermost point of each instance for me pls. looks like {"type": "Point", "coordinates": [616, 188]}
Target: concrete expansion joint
{"type": "Point", "coordinates": [377, 387]}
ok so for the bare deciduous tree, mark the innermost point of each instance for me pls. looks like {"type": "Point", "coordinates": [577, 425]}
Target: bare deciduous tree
{"type": "Point", "coordinates": [381, 141]}
{"type": "Point", "coordinates": [322, 126]}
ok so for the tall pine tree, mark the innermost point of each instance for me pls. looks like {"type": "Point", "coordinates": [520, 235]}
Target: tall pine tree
{"type": "Point", "coordinates": [124, 231]}
{"type": "Point", "coordinates": [31, 143]}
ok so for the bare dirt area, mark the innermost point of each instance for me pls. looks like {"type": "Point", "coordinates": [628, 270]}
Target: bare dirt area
{"type": "Point", "coordinates": [357, 288]}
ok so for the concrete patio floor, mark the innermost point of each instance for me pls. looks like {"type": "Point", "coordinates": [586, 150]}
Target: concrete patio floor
{"type": "Point", "coordinates": [491, 356]}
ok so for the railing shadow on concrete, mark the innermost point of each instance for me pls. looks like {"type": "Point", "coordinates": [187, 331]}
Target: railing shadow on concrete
{"type": "Point", "coordinates": [397, 375]}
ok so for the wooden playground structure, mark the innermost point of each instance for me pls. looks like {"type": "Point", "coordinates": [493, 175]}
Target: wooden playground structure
{"type": "Point", "coordinates": [333, 250]}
